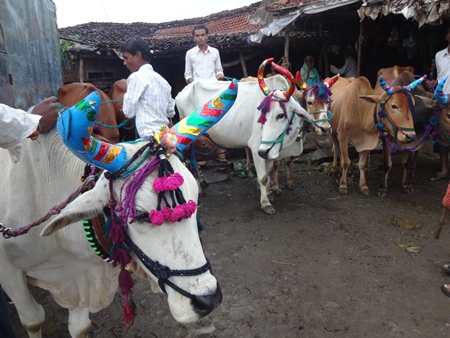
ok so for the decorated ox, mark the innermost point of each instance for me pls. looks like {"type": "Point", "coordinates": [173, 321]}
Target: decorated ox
{"type": "Point", "coordinates": [423, 125]}
{"type": "Point", "coordinates": [160, 242]}
{"type": "Point", "coordinates": [73, 93]}
{"type": "Point", "coordinates": [360, 113]}
{"type": "Point", "coordinates": [316, 99]}
{"type": "Point", "coordinates": [270, 133]}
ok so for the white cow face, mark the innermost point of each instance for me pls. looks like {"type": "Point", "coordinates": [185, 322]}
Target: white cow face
{"type": "Point", "coordinates": [174, 245]}
{"type": "Point", "coordinates": [281, 121]}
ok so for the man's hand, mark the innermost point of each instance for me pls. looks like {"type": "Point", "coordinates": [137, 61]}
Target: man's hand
{"type": "Point", "coordinates": [48, 109]}
{"type": "Point", "coordinates": [220, 77]}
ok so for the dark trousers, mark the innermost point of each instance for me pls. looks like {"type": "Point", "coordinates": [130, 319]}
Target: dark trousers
{"type": "Point", "coordinates": [6, 328]}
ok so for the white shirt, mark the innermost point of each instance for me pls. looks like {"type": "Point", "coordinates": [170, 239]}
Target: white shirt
{"type": "Point", "coordinates": [15, 126]}
{"type": "Point", "coordinates": [347, 70]}
{"type": "Point", "coordinates": [201, 65]}
{"type": "Point", "coordinates": [149, 99]}
{"type": "Point", "coordinates": [442, 60]}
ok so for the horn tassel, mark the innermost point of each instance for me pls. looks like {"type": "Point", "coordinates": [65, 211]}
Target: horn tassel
{"type": "Point", "coordinates": [197, 123]}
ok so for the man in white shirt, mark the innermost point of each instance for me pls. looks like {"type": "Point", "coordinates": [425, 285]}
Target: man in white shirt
{"type": "Point", "coordinates": [148, 97]}
{"type": "Point", "coordinates": [16, 124]}
{"type": "Point", "coordinates": [442, 60]}
{"type": "Point", "coordinates": [202, 61]}
{"type": "Point", "coordinates": [349, 67]}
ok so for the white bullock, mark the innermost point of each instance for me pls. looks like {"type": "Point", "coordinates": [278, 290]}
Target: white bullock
{"type": "Point", "coordinates": [270, 134]}
{"type": "Point", "coordinates": [64, 263]}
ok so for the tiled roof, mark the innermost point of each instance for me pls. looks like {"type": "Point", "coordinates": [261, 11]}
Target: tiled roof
{"type": "Point", "coordinates": [227, 29]}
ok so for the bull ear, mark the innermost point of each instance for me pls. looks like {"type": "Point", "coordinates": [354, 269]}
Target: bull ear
{"type": "Point", "coordinates": [86, 206]}
{"type": "Point", "coordinates": [370, 98]}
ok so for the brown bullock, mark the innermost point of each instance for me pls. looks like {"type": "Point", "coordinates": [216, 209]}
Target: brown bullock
{"type": "Point", "coordinates": [73, 93]}
{"type": "Point", "coordinates": [359, 111]}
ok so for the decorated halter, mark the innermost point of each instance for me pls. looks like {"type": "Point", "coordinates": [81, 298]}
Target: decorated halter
{"type": "Point", "coordinates": [265, 105]}
{"type": "Point", "coordinates": [75, 128]}
{"type": "Point", "coordinates": [383, 113]}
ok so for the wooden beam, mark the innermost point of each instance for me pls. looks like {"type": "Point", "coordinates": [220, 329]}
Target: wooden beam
{"type": "Point", "coordinates": [244, 67]}
{"type": "Point", "coordinates": [360, 43]}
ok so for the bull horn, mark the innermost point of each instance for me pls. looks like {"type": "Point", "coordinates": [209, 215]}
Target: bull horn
{"type": "Point", "coordinates": [298, 80]}
{"type": "Point", "coordinates": [207, 115]}
{"type": "Point", "coordinates": [439, 93]}
{"type": "Point", "coordinates": [385, 86]}
{"type": "Point", "coordinates": [288, 93]}
{"type": "Point", "coordinates": [331, 81]}
{"type": "Point", "coordinates": [414, 84]}
{"type": "Point", "coordinates": [262, 83]}
{"type": "Point", "coordinates": [75, 127]}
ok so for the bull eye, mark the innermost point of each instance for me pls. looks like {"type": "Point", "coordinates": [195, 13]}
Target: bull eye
{"type": "Point", "coordinates": [310, 103]}
{"type": "Point", "coordinates": [393, 106]}
{"type": "Point", "coordinates": [280, 116]}
{"type": "Point", "coordinates": [448, 116]}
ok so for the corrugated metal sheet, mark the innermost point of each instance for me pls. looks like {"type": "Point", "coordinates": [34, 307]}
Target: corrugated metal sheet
{"type": "Point", "coordinates": [30, 53]}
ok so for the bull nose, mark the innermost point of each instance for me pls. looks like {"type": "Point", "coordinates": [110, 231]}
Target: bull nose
{"type": "Point", "coordinates": [325, 130]}
{"type": "Point", "coordinates": [264, 153]}
{"type": "Point", "coordinates": [410, 137]}
{"type": "Point", "coordinates": [203, 305]}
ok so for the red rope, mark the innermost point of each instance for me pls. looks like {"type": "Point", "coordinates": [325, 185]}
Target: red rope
{"type": "Point", "coordinates": [7, 233]}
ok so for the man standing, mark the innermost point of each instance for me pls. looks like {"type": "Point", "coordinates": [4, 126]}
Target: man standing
{"type": "Point", "coordinates": [148, 98]}
{"type": "Point", "coordinates": [442, 60]}
{"type": "Point", "coordinates": [202, 61]}
{"type": "Point", "coordinates": [349, 67]}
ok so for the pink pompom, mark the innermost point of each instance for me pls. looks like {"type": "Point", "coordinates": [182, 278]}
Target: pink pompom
{"type": "Point", "coordinates": [178, 212]}
{"type": "Point", "coordinates": [173, 182]}
{"type": "Point", "coordinates": [156, 217]}
{"type": "Point", "coordinates": [158, 184]}
{"type": "Point", "coordinates": [189, 208]}
{"type": "Point", "coordinates": [167, 213]}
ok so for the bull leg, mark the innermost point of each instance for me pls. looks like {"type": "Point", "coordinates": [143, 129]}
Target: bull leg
{"type": "Point", "coordinates": [288, 173]}
{"type": "Point", "coordinates": [31, 313]}
{"type": "Point", "coordinates": [274, 173]}
{"type": "Point", "coordinates": [362, 164]}
{"type": "Point", "coordinates": [248, 158]}
{"type": "Point", "coordinates": [262, 172]}
{"type": "Point", "coordinates": [79, 322]}
{"type": "Point", "coordinates": [387, 165]}
{"type": "Point", "coordinates": [334, 168]}
{"type": "Point", "coordinates": [345, 164]}
{"type": "Point", "coordinates": [408, 163]}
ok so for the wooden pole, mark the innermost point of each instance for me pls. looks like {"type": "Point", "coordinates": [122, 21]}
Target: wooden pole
{"type": "Point", "coordinates": [326, 63]}
{"type": "Point", "coordinates": [360, 43]}
{"type": "Point", "coordinates": [244, 67]}
{"type": "Point", "coordinates": [441, 223]}
{"type": "Point", "coordinates": [81, 70]}
{"type": "Point", "coordinates": [286, 64]}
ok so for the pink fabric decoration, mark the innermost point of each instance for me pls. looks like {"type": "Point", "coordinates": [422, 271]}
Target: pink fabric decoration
{"type": "Point", "coordinates": [189, 208]}
{"type": "Point", "coordinates": [116, 234]}
{"type": "Point", "coordinates": [121, 256]}
{"type": "Point", "coordinates": [125, 281]}
{"type": "Point", "coordinates": [156, 217]}
{"type": "Point", "coordinates": [158, 184]}
{"type": "Point", "coordinates": [167, 213]}
{"type": "Point", "coordinates": [178, 212]}
{"type": "Point", "coordinates": [173, 182]}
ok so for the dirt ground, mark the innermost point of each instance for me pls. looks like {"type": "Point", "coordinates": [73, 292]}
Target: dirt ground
{"type": "Point", "coordinates": [325, 265]}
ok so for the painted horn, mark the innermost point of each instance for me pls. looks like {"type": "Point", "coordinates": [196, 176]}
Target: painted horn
{"type": "Point", "coordinates": [75, 127]}
{"type": "Point", "coordinates": [262, 83]}
{"type": "Point", "coordinates": [288, 93]}
{"type": "Point", "coordinates": [414, 84]}
{"type": "Point", "coordinates": [385, 86]}
{"type": "Point", "coordinates": [439, 93]}
{"type": "Point", "coordinates": [298, 80]}
{"type": "Point", "coordinates": [207, 115]}
{"type": "Point", "coordinates": [331, 81]}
